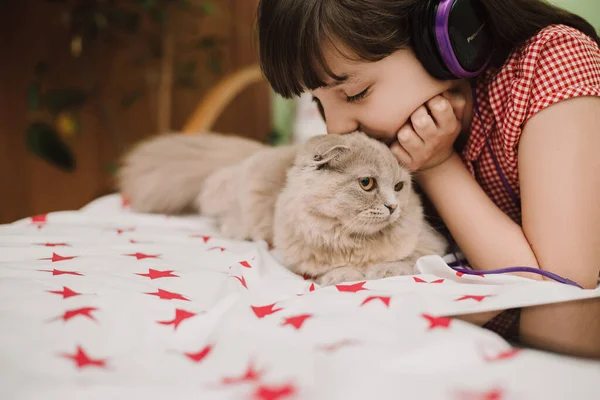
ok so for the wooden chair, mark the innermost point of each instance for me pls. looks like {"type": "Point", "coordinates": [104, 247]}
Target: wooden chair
{"type": "Point", "coordinates": [219, 97]}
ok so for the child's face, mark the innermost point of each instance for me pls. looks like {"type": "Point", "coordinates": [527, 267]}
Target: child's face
{"type": "Point", "coordinates": [395, 87]}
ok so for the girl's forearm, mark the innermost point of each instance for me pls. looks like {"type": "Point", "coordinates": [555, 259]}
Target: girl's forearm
{"type": "Point", "coordinates": [487, 237]}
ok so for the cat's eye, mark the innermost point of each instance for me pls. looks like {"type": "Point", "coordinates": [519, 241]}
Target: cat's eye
{"type": "Point", "coordinates": [399, 186]}
{"type": "Point", "coordinates": [366, 183]}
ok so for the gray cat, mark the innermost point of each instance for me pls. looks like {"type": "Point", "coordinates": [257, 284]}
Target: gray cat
{"type": "Point", "coordinates": [338, 208]}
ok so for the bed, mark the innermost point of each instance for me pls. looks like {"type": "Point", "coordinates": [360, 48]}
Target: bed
{"type": "Point", "coordinates": [105, 303]}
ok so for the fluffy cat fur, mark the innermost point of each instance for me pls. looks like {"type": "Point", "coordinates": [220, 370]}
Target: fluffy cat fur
{"type": "Point", "coordinates": [304, 199]}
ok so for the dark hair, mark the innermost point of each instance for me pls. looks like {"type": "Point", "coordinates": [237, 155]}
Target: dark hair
{"type": "Point", "coordinates": [292, 33]}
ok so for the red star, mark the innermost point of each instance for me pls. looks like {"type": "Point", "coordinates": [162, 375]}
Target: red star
{"type": "Point", "coordinates": [121, 231]}
{"type": "Point", "coordinates": [204, 238]}
{"type": "Point", "coordinates": [333, 347]}
{"type": "Point", "coordinates": [65, 293]}
{"type": "Point", "coordinates": [494, 394]}
{"type": "Point", "coordinates": [264, 392]}
{"type": "Point", "coordinates": [142, 256]}
{"type": "Point", "coordinates": [199, 356]}
{"type": "Point", "coordinates": [384, 299]}
{"type": "Point", "coordinates": [39, 220]}
{"type": "Point", "coordinates": [53, 244]}
{"type": "Point", "coordinates": [166, 295]}
{"type": "Point", "coordinates": [419, 280]}
{"type": "Point", "coordinates": [83, 360]}
{"type": "Point", "coordinates": [59, 272]}
{"type": "Point", "coordinates": [242, 281]}
{"type": "Point", "coordinates": [222, 249]}
{"type": "Point", "coordinates": [180, 316]}
{"type": "Point", "coordinates": [155, 274]}
{"type": "Point", "coordinates": [478, 299]}
{"type": "Point", "coordinates": [125, 202]}
{"type": "Point", "coordinates": [437, 322]}
{"type": "Point", "coordinates": [312, 287]}
{"type": "Point", "coordinates": [263, 311]}
{"type": "Point", "coordinates": [356, 287]}
{"type": "Point", "coordinates": [57, 258]}
{"type": "Point", "coordinates": [505, 355]}
{"type": "Point", "coordinates": [84, 311]}
{"type": "Point", "coordinates": [251, 375]}
{"type": "Point", "coordinates": [296, 321]}
{"type": "Point", "coordinates": [460, 274]}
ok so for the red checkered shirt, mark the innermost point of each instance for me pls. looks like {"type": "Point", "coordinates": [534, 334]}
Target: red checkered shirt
{"type": "Point", "coordinates": [558, 63]}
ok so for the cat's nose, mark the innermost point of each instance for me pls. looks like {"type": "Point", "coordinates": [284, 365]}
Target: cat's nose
{"type": "Point", "coordinates": [391, 207]}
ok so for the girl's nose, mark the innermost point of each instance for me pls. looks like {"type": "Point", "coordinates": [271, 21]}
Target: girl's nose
{"type": "Point", "coordinates": [340, 122]}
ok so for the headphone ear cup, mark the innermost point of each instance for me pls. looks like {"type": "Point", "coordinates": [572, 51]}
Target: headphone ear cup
{"type": "Point", "coordinates": [424, 42]}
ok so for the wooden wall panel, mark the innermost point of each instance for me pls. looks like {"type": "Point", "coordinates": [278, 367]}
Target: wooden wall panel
{"type": "Point", "coordinates": [30, 31]}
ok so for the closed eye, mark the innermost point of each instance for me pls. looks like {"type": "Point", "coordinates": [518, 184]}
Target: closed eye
{"type": "Point", "coordinates": [358, 97]}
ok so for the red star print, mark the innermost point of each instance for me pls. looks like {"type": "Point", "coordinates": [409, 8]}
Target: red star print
{"type": "Point", "coordinates": [263, 311]}
{"type": "Point", "coordinates": [84, 311]}
{"type": "Point", "coordinates": [83, 360]}
{"type": "Point", "coordinates": [251, 375]}
{"type": "Point", "coordinates": [296, 321]}
{"type": "Point", "coordinates": [180, 316]}
{"type": "Point", "coordinates": [65, 293]}
{"type": "Point", "coordinates": [53, 244]}
{"type": "Point", "coordinates": [222, 249]}
{"type": "Point", "coordinates": [56, 258]}
{"type": "Point", "coordinates": [199, 356]}
{"type": "Point", "coordinates": [125, 202]}
{"type": "Point", "coordinates": [39, 220]}
{"type": "Point", "coordinates": [264, 392]}
{"type": "Point", "coordinates": [505, 355]}
{"type": "Point", "coordinates": [155, 274]}
{"type": "Point", "coordinates": [384, 299]}
{"type": "Point", "coordinates": [437, 322]}
{"type": "Point", "coordinates": [242, 281]}
{"type": "Point", "coordinates": [204, 238]}
{"type": "Point", "coordinates": [419, 280]}
{"type": "Point", "coordinates": [460, 274]}
{"type": "Point", "coordinates": [478, 299]}
{"type": "Point", "coordinates": [59, 272]}
{"type": "Point", "coordinates": [494, 394]}
{"type": "Point", "coordinates": [333, 347]}
{"type": "Point", "coordinates": [356, 287]}
{"type": "Point", "coordinates": [166, 295]}
{"type": "Point", "coordinates": [245, 264]}
{"type": "Point", "coordinates": [121, 231]}
{"type": "Point", "coordinates": [142, 256]}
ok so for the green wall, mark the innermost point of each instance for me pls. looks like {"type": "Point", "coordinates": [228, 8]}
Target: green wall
{"type": "Point", "coordinates": [588, 9]}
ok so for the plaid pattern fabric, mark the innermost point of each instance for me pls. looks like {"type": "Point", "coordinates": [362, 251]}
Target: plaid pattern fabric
{"type": "Point", "coordinates": [506, 324]}
{"type": "Point", "coordinates": [558, 63]}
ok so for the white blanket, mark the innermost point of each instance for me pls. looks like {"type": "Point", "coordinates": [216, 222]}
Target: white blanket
{"type": "Point", "coordinates": [104, 303]}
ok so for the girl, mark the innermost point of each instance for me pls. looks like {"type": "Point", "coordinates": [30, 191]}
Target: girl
{"type": "Point", "coordinates": [509, 158]}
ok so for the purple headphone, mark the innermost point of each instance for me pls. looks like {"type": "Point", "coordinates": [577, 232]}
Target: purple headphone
{"type": "Point", "coordinates": [451, 38]}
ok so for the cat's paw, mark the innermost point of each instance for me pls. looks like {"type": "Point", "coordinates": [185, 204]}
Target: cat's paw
{"type": "Point", "coordinates": [340, 275]}
{"type": "Point", "coordinates": [385, 270]}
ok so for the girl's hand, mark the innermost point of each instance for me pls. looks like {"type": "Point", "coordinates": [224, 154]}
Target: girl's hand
{"type": "Point", "coordinates": [426, 140]}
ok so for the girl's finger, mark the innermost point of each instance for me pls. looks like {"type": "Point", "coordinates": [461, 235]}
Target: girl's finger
{"type": "Point", "coordinates": [423, 124]}
{"type": "Point", "coordinates": [401, 155]}
{"type": "Point", "coordinates": [409, 140]}
{"type": "Point", "coordinates": [458, 103]}
{"type": "Point", "coordinates": [443, 114]}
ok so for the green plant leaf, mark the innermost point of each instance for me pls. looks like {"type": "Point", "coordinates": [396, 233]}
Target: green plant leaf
{"type": "Point", "coordinates": [57, 100]}
{"type": "Point", "coordinates": [43, 142]}
{"type": "Point", "coordinates": [208, 8]}
{"type": "Point", "coordinates": [33, 96]}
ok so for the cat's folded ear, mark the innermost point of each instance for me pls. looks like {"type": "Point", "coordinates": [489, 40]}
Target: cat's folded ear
{"type": "Point", "coordinates": [327, 151]}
